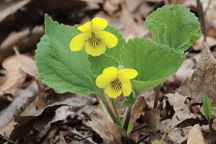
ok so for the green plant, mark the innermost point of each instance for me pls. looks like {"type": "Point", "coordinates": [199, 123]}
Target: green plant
{"type": "Point", "coordinates": [207, 109]}
{"type": "Point", "coordinates": [174, 28]}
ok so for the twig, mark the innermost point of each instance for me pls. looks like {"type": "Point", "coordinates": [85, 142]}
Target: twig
{"type": "Point", "coordinates": [21, 101]}
{"type": "Point", "coordinates": [82, 136]}
{"type": "Point", "coordinates": [142, 138]}
{"type": "Point", "coordinates": [157, 92]}
{"type": "Point", "coordinates": [139, 127]}
{"type": "Point", "coordinates": [166, 2]}
{"type": "Point", "coordinates": [209, 3]}
{"type": "Point", "coordinates": [202, 18]}
{"type": "Point", "coordinates": [6, 139]}
{"type": "Point", "coordinates": [61, 138]}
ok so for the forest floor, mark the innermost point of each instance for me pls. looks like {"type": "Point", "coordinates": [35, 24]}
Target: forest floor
{"type": "Point", "coordinates": [31, 115]}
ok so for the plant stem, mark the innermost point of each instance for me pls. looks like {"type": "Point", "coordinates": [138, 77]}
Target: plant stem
{"type": "Point", "coordinates": [210, 131]}
{"type": "Point", "coordinates": [115, 110]}
{"type": "Point", "coordinates": [127, 117]}
{"type": "Point", "coordinates": [105, 102]}
{"type": "Point", "coordinates": [157, 92]}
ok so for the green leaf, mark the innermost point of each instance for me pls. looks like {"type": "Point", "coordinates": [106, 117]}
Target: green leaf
{"type": "Point", "coordinates": [121, 127]}
{"type": "Point", "coordinates": [129, 100]}
{"type": "Point", "coordinates": [116, 52]}
{"type": "Point", "coordinates": [60, 68]}
{"type": "Point", "coordinates": [112, 56]}
{"type": "Point", "coordinates": [154, 62]}
{"type": "Point", "coordinates": [174, 26]}
{"type": "Point", "coordinates": [207, 108]}
{"type": "Point", "coordinates": [99, 63]}
{"type": "Point", "coordinates": [140, 86]}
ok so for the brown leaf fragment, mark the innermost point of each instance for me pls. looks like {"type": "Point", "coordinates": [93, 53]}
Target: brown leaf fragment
{"type": "Point", "coordinates": [23, 39]}
{"type": "Point", "coordinates": [22, 100]}
{"type": "Point", "coordinates": [182, 110]}
{"type": "Point", "coordinates": [178, 135]}
{"type": "Point", "coordinates": [28, 123]}
{"type": "Point", "coordinates": [152, 118]}
{"type": "Point", "coordinates": [102, 123]}
{"type": "Point", "coordinates": [195, 135]}
{"type": "Point", "coordinates": [61, 138]}
{"type": "Point", "coordinates": [7, 11]}
{"type": "Point", "coordinates": [158, 142]}
{"type": "Point", "coordinates": [203, 80]}
{"type": "Point", "coordinates": [210, 41]}
{"type": "Point", "coordinates": [18, 67]}
{"type": "Point", "coordinates": [138, 109]}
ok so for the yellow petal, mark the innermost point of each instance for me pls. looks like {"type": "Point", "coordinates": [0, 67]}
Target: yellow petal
{"type": "Point", "coordinates": [95, 49]}
{"type": "Point", "coordinates": [111, 92]}
{"type": "Point", "coordinates": [99, 24]}
{"type": "Point", "coordinates": [126, 86]}
{"type": "Point", "coordinates": [128, 73]}
{"type": "Point", "coordinates": [109, 74]}
{"type": "Point", "coordinates": [78, 42]}
{"type": "Point", "coordinates": [86, 28]}
{"type": "Point", "coordinates": [110, 39]}
{"type": "Point", "coordinates": [102, 81]}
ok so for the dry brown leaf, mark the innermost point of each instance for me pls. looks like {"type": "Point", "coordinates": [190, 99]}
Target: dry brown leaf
{"type": "Point", "coordinates": [24, 39]}
{"type": "Point", "coordinates": [18, 67]}
{"type": "Point", "coordinates": [12, 9]}
{"type": "Point", "coordinates": [152, 118]}
{"type": "Point", "coordinates": [45, 120]}
{"type": "Point", "coordinates": [41, 123]}
{"type": "Point", "coordinates": [102, 123]}
{"type": "Point", "coordinates": [182, 114]}
{"type": "Point", "coordinates": [129, 20]}
{"type": "Point", "coordinates": [203, 80]}
{"type": "Point", "coordinates": [210, 41]}
{"type": "Point", "coordinates": [182, 110]}
{"type": "Point", "coordinates": [138, 109]}
{"type": "Point", "coordinates": [178, 135]}
{"type": "Point", "coordinates": [111, 6]}
{"type": "Point", "coordinates": [195, 135]}
{"type": "Point", "coordinates": [158, 142]}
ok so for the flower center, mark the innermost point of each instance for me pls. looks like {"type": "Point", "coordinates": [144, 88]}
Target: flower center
{"type": "Point", "coordinates": [94, 41]}
{"type": "Point", "coordinates": [116, 85]}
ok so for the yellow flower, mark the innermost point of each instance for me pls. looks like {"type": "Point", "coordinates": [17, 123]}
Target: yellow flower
{"type": "Point", "coordinates": [94, 38]}
{"type": "Point", "coordinates": [116, 81]}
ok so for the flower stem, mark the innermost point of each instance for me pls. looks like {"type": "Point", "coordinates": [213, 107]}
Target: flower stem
{"type": "Point", "coordinates": [105, 102]}
{"type": "Point", "coordinates": [115, 110]}
{"type": "Point", "coordinates": [127, 117]}
{"type": "Point", "coordinates": [210, 131]}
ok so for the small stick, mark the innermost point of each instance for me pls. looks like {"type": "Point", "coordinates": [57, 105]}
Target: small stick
{"type": "Point", "coordinates": [21, 101]}
{"type": "Point", "coordinates": [157, 92]}
{"type": "Point", "coordinates": [8, 140]}
{"type": "Point", "coordinates": [209, 3]}
{"type": "Point", "coordinates": [166, 2]}
{"type": "Point", "coordinates": [82, 136]}
{"type": "Point", "coordinates": [202, 18]}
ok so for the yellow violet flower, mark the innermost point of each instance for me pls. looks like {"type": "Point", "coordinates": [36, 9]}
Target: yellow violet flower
{"type": "Point", "coordinates": [116, 81]}
{"type": "Point", "coordinates": [94, 38]}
